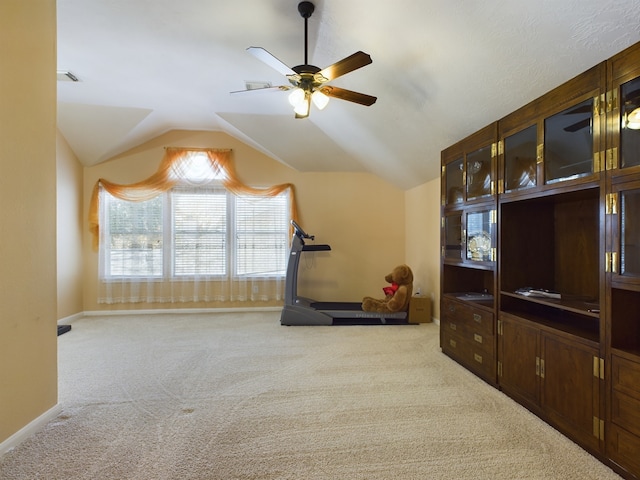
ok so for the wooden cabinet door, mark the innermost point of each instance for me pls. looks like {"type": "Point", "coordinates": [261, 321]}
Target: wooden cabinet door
{"type": "Point", "coordinates": [519, 347]}
{"type": "Point", "coordinates": [569, 388]}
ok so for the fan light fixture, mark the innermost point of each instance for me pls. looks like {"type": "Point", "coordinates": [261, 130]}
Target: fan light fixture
{"type": "Point", "coordinates": [632, 120]}
{"type": "Point", "coordinates": [308, 83]}
{"type": "Point", "coordinates": [299, 100]}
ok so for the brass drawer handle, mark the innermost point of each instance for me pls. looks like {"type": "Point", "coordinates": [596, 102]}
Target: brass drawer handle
{"type": "Point", "coordinates": [477, 338]}
{"type": "Point", "coordinates": [477, 317]}
{"type": "Point", "coordinates": [452, 343]}
{"type": "Point", "coordinates": [477, 358]}
{"type": "Point", "coordinates": [453, 326]}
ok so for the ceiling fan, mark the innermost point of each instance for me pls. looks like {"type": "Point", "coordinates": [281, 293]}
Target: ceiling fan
{"type": "Point", "coordinates": [308, 83]}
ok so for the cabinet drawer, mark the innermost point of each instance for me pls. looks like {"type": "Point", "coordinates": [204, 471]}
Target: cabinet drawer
{"type": "Point", "coordinates": [464, 314]}
{"type": "Point", "coordinates": [476, 339]}
{"type": "Point", "coordinates": [626, 376]}
{"type": "Point", "coordinates": [477, 358]}
{"type": "Point", "coordinates": [623, 448]}
{"type": "Point", "coordinates": [625, 411]}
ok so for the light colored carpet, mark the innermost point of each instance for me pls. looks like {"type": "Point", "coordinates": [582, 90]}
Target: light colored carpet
{"type": "Point", "coordinates": [237, 396]}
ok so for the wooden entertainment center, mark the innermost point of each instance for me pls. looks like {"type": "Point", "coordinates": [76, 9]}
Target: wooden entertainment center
{"type": "Point", "coordinates": [540, 258]}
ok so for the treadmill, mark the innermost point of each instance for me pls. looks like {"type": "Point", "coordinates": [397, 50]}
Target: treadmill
{"type": "Point", "coordinates": [305, 311]}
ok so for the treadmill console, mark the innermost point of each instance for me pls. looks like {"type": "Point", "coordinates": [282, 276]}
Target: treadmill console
{"type": "Point", "coordinates": [300, 233]}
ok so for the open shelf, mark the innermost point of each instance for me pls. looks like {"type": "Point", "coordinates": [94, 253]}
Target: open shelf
{"type": "Point", "coordinates": [625, 321]}
{"type": "Point", "coordinates": [552, 242]}
{"type": "Point", "coordinates": [478, 278]}
{"type": "Point", "coordinates": [552, 316]}
{"type": "Point", "coordinates": [586, 307]}
{"type": "Point", "coordinates": [479, 299]}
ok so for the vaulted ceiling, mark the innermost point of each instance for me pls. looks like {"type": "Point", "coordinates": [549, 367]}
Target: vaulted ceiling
{"type": "Point", "coordinates": [441, 70]}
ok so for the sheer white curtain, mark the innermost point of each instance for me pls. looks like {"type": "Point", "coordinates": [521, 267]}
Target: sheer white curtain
{"type": "Point", "coordinates": [197, 236]}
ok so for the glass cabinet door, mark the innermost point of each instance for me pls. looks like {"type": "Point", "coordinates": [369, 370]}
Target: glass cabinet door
{"type": "Point", "coordinates": [479, 235]}
{"type": "Point", "coordinates": [520, 159]}
{"type": "Point", "coordinates": [568, 143]}
{"type": "Point", "coordinates": [454, 182]}
{"type": "Point", "coordinates": [453, 236]}
{"type": "Point", "coordinates": [630, 124]}
{"type": "Point", "coordinates": [629, 236]}
{"type": "Point", "coordinates": [479, 173]}
{"type": "Point", "coordinates": [623, 248]}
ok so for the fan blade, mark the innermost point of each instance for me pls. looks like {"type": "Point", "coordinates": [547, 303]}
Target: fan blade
{"type": "Point", "coordinates": [348, 95]}
{"type": "Point", "coordinates": [261, 54]}
{"type": "Point", "coordinates": [265, 89]}
{"type": "Point", "coordinates": [346, 65]}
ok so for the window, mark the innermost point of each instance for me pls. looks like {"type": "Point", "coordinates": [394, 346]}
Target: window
{"type": "Point", "coordinates": [195, 231]}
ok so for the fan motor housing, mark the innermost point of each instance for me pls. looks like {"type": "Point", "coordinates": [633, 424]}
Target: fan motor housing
{"type": "Point", "coordinates": [306, 9]}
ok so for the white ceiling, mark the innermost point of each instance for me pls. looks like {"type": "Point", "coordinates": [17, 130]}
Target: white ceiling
{"type": "Point", "coordinates": [441, 70]}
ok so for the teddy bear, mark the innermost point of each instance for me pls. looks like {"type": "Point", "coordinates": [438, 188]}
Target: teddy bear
{"type": "Point", "coordinates": [397, 296]}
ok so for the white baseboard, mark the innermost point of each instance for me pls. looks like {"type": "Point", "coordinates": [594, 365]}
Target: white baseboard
{"type": "Point", "coordinates": [29, 430]}
{"type": "Point", "coordinates": [100, 313]}
{"type": "Point", "coordinates": [71, 318]}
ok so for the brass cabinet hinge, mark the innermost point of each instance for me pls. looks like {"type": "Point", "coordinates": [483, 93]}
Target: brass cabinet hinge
{"type": "Point", "coordinates": [598, 105]}
{"type": "Point", "coordinates": [598, 367]}
{"type": "Point", "coordinates": [540, 153]}
{"type": "Point", "coordinates": [542, 368]}
{"type": "Point", "coordinates": [501, 147]}
{"type": "Point", "coordinates": [598, 164]}
{"type": "Point", "coordinates": [494, 254]}
{"type": "Point", "coordinates": [493, 216]}
{"type": "Point", "coordinates": [499, 368]}
{"type": "Point", "coordinates": [598, 428]}
{"type": "Point", "coordinates": [612, 100]}
{"type": "Point", "coordinates": [611, 204]}
{"type": "Point", "coordinates": [500, 186]}
{"type": "Point", "coordinates": [493, 187]}
{"type": "Point", "coordinates": [442, 253]}
{"type": "Point", "coordinates": [611, 262]}
{"type": "Point", "coordinates": [500, 332]}
{"type": "Point", "coordinates": [612, 158]}
{"type": "Point", "coordinates": [494, 150]}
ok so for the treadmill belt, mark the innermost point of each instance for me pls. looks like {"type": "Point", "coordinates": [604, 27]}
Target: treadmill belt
{"type": "Point", "coordinates": [337, 306]}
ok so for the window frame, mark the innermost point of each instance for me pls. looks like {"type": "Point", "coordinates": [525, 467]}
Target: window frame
{"type": "Point", "coordinates": [168, 236]}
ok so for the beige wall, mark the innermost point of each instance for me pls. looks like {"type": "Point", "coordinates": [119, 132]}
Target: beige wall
{"type": "Point", "coordinates": [28, 355]}
{"type": "Point", "coordinates": [359, 215]}
{"type": "Point", "coordinates": [70, 227]}
{"type": "Point", "coordinates": [423, 240]}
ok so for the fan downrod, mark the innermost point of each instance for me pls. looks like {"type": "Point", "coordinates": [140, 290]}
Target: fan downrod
{"type": "Point", "coordinates": [306, 9]}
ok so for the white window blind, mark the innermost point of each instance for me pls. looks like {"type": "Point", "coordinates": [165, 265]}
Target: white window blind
{"type": "Point", "coordinates": [135, 237]}
{"type": "Point", "coordinates": [261, 235]}
{"type": "Point", "coordinates": [199, 232]}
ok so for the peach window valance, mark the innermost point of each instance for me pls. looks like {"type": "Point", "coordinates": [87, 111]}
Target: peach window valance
{"type": "Point", "coordinates": [172, 172]}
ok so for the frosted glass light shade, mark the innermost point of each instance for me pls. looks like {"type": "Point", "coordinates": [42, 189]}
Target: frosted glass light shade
{"type": "Point", "coordinates": [320, 100]}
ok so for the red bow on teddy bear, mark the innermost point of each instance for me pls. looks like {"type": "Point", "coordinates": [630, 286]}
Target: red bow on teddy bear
{"type": "Point", "coordinates": [390, 291]}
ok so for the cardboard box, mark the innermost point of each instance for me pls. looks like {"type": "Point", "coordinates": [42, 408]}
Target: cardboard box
{"type": "Point", "coordinates": [420, 310]}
